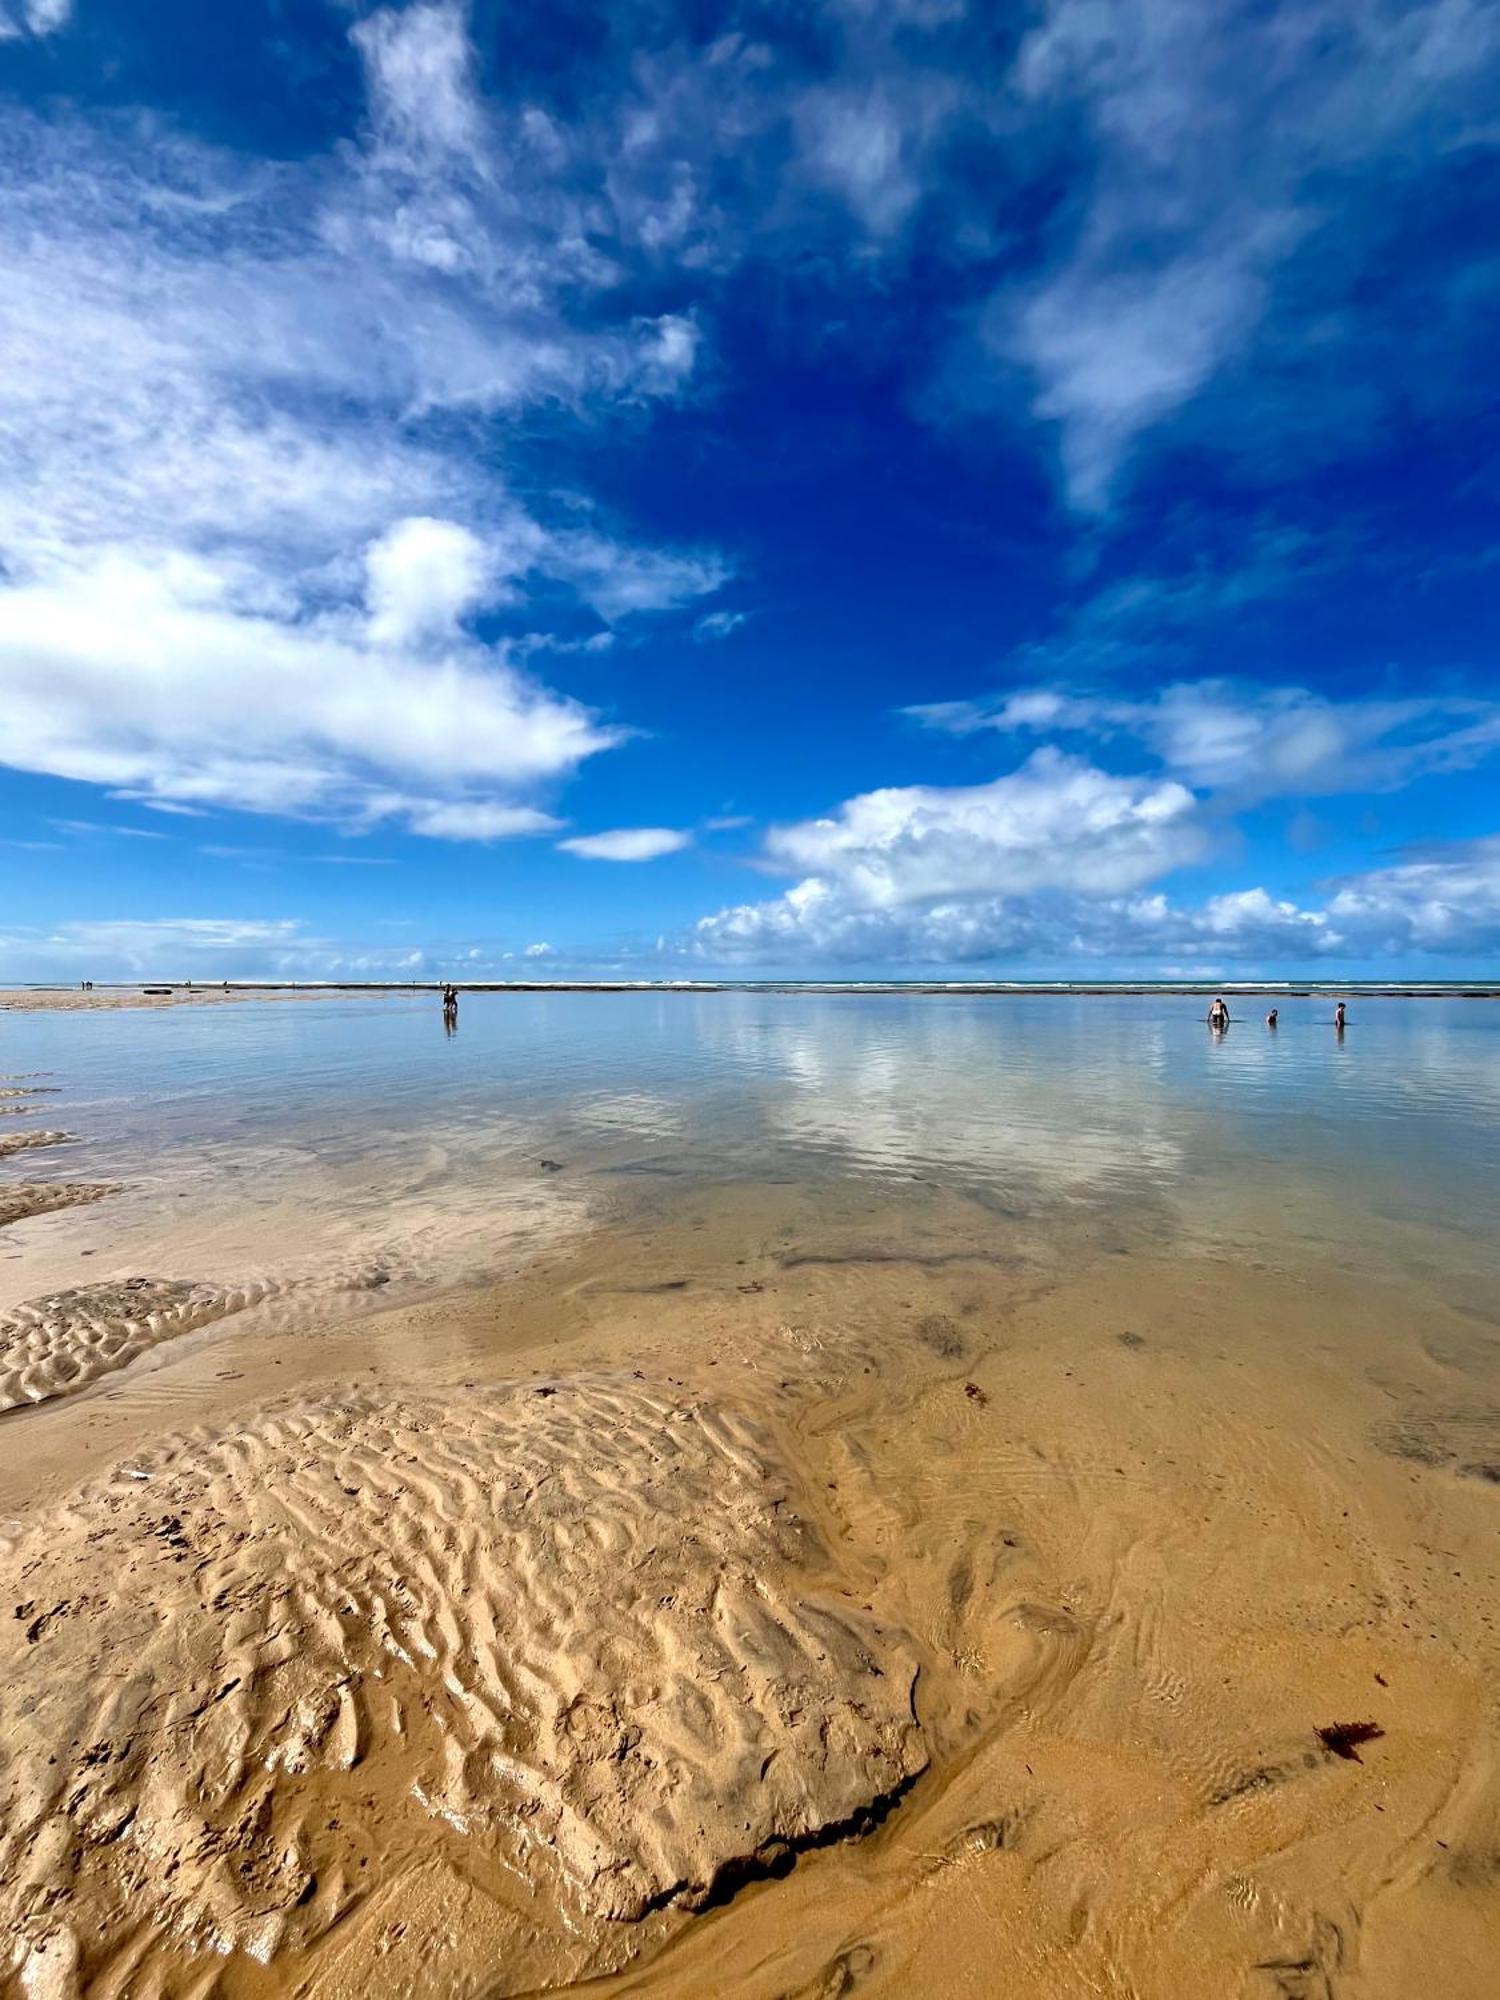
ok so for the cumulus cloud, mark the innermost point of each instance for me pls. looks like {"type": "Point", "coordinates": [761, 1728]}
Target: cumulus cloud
{"type": "Point", "coordinates": [423, 577]}
{"type": "Point", "coordinates": [242, 543]}
{"type": "Point", "coordinates": [1054, 823]}
{"type": "Point", "coordinates": [1247, 740]}
{"type": "Point", "coordinates": [956, 866]}
{"type": "Point", "coordinates": [628, 843]}
{"type": "Point", "coordinates": [1442, 905]}
{"type": "Point", "coordinates": [1058, 861]}
{"type": "Point", "coordinates": [174, 679]}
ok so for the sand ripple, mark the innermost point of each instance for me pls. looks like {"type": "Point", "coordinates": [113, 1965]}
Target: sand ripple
{"type": "Point", "coordinates": [58, 1345]}
{"type": "Point", "coordinates": [567, 1649]}
{"type": "Point", "coordinates": [27, 1198]}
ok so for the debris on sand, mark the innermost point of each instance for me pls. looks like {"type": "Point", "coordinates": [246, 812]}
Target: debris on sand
{"type": "Point", "coordinates": [1341, 1738]}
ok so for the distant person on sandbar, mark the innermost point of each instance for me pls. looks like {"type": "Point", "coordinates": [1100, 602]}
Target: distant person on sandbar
{"type": "Point", "coordinates": [1271, 1018]}
{"type": "Point", "coordinates": [1218, 1016]}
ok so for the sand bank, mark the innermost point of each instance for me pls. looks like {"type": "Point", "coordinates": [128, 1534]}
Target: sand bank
{"type": "Point", "coordinates": [572, 1644]}
{"type": "Point", "coordinates": [59, 1345]}
{"type": "Point", "coordinates": [110, 999]}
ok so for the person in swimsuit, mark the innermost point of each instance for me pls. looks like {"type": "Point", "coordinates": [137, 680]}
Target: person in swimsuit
{"type": "Point", "coordinates": [1271, 1018]}
{"type": "Point", "coordinates": [1218, 1016]}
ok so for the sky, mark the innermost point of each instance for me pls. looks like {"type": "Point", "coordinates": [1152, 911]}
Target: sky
{"type": "Point", "coordinates": [671, 489]}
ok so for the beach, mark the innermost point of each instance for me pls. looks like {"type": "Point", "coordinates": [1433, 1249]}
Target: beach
{"type": "Point", "coordinates": [761, 1515]}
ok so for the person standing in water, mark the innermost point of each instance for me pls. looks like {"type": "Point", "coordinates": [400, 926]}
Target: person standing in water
{"type": "Point", "coordinates": [1338, 1018]}
{"type": "Point", "coordinates": [1271, 1018]}
{"type": "Point", "coordinates": [1218, 1016]}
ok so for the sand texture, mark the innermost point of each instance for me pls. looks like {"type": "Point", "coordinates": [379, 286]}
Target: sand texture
{"type": "Point", "coordinates": [21, 1199]}
{"type": "Point", "coordinates": [491, 1638]}
{"type": "Point", "coordinates": [57, 1345]}
{"type": "Point", "coordinates": [552, 1662]}
{"type": "Point", "coordinates": [72, 1000]}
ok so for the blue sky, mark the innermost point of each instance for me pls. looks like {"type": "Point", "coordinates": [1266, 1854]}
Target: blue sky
{"type": "Point", "coordinates": [893, 485]}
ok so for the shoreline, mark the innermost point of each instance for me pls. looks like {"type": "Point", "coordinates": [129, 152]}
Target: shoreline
{"type": "Point", "coordinates": [104, 996]}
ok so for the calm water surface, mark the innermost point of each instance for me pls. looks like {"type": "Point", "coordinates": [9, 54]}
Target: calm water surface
{"type": "Point", "coordinates": [1381, 1151]}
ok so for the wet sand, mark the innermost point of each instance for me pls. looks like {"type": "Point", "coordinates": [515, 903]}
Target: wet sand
{"type": "Point", "coordinates": [111, 999]}
{"type": "Point", "coordinates": [523, 1639]}
{"type": "Point", "coordinates": [20, 1200]}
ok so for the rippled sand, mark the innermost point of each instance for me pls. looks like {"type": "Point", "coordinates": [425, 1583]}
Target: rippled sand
{"type": "Point", "coordinates": [20, 1200]}
{"type": "Point", "coordinates": [522, 1639]}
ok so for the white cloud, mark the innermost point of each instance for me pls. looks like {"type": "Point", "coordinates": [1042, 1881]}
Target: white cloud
{"type": "Point", "coordinates": [629, 843]}
{"type": "Point", "coordinates": [537, 951]}
{"type": "Point", "coordinates": [1216, 138]}
{"type": "Point", "coordinates": [1057, 860]}
{"type": "Point", "coordinates": [89, 826]}
{"type": "Point", "coordinates": [239, 534]}
{"type": "Point", "coordinates": [1054, 823]}
{"type": "Point", "coordinates": [40, 17]}
{"type": "Point", "coordinates": [170, 947]}
{"type": "Point", "coordinates": [1444, 903]}
{"type": "Point", "coordinates": [459, 819]}
{"type": "Point", "coordinates": [424, 577]}
{"type": "Point", "coordinates": [866, 144]}
{"type": "Point", "coordinates": [421, 73]}
{"type": "Point", "coordinates": [173, 680]}
{"type": "Point", "coordinates": [718, 625]}
{"type": "Point", "coordinates": [620, 582]}
{"type": "Point", "coordinates": [1246, 740]}
{"type": "Point", "coordinates": [1446, 899]}
{"type": "Point", "coordinates": [1117, 350]}
{"type": "Point", "coordinates": [950, 872]}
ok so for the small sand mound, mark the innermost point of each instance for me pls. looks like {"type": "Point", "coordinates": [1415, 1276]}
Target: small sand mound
{"type": "Point", "coordinates": [552, 1662]}
{"type": "Point", "coordinates": [58, 1345]}
{"type": "Point", "coordinates": [27, 1198]}
{"type": "Point", "coordinates": [22, 1142]}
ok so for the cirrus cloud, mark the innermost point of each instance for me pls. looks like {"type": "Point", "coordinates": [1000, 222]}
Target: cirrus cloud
{"type": "Point", "coordinates": [1249, 740]}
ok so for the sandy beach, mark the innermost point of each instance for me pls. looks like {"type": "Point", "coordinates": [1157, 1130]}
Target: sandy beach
{"type": "Point", "coordinates": [114, 999]}
{"type": "Point", "coordinates": [759, 1587]}
{"type": "Point", "coordinates": [506, 1644]}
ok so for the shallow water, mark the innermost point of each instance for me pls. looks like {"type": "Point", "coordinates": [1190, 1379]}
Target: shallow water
{"type": "Point", "coordinates": [360, 1120]}
{"type": "Point", "coordinates": [1142, 1387]}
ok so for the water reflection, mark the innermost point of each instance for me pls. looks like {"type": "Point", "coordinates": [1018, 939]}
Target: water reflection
{"type": "Point", "coordinates": [955, 1092]}
{"type": "Point", "coordinates": [345, 1113]}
